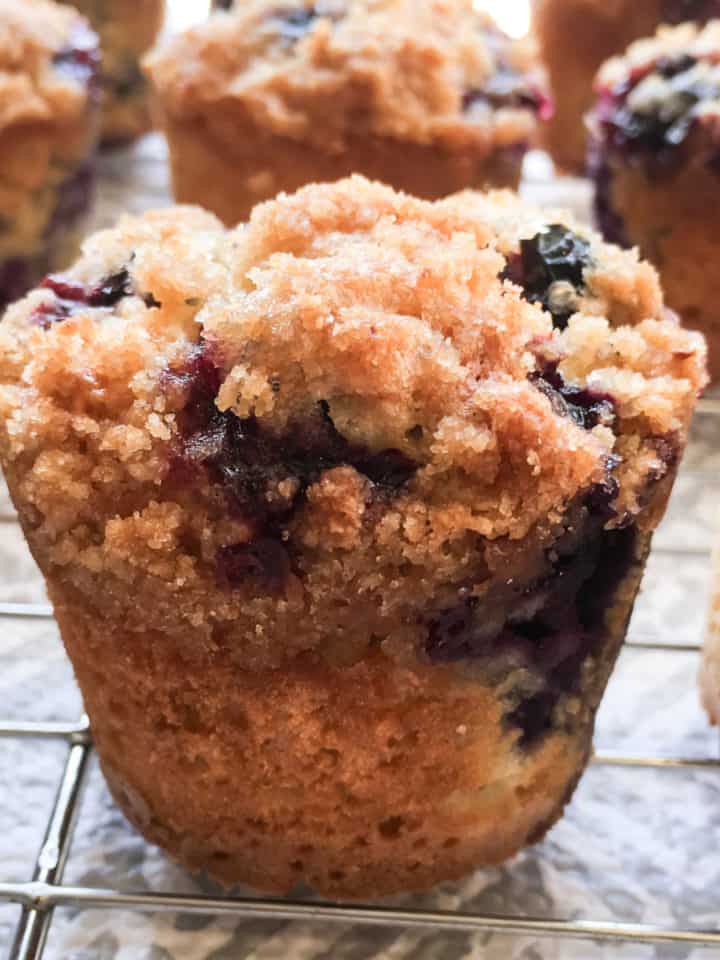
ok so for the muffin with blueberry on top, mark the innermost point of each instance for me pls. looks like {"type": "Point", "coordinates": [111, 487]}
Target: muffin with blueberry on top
{"type": "Point", "coordinates": [426, 95]}
{"type": "Point", "coordinates": [343, 514]}
{"type": "Point", "coordinates": [48, 132]}
{"type": "Point", "coordinates": [656, 164]}
{"type": "Point", "coordinates": [127, 28]}
{"type": "Point", "coordinates": [576, 37]}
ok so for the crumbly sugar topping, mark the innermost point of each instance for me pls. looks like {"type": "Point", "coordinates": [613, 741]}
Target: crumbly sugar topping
{"type": "Point", "coordinates": [41, 76]}
{"type": "Point", "coordinates": [357, 388]}
{"type": "Point", "coordinates": [422, 70]}
{"type": "Point", "coordinates": [672, 75]}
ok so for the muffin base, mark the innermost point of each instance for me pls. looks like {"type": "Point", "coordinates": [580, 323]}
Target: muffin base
{"type": "Point", "coordinates": [229, 178]}
{"type": "Point", "coordinates": [358, 781]}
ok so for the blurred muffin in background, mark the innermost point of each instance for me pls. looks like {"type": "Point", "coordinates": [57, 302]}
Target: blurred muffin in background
{"type": "Point", "coordinates": [49, 112]}
{"type": "Point", "coordinates": [127, 28]}
{"type": "Point", "coordinates": [427, 95]}
{"type": "Point", "coordinates": [576, 37]}
{"type": "Point", "coordinates": [655, 159]}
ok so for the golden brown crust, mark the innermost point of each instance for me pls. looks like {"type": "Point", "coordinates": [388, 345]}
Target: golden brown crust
{"type": "Point", "coordinates": [297, 716]}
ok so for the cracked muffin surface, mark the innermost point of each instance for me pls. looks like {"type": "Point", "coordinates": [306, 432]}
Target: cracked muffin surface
{"type": "Point", "coordinates": [654, 159]}
{"type": "Point", "coordinates": [427, 95]}
{"type": "Point", "coordinates": [48, 129]}
{"type": "Point", "coordinates": [355, 501]}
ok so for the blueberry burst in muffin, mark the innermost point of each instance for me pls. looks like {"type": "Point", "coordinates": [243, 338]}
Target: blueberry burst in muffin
{"type": "Point", "coordinates": [48, 130]}
{"type": "Point", "coordinates": [426, 95]}
{"type": "Point", "coordinates": [343, 515]}
{"type": "Point", "coordinates": [656, 163]}
{"type": "Point", "coordinates": [127, 28]}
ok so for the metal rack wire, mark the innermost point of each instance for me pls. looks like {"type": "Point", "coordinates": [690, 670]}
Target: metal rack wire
{"type": "Point", "coordinates": [39, 896]}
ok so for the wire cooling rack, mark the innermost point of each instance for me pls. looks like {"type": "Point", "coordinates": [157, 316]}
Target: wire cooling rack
{"type": "Point", "coordinates": [39, 896]}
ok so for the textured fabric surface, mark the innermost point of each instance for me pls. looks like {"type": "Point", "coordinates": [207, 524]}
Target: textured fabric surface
{"type": "Point", "coordinates": [635, 845]}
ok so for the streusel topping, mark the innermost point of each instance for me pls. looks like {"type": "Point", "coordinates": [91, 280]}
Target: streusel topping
{"type": "Point", "coordinates": [652, 98]}
{"type": "Point", "coordinates": [47, 54]}
{"type": "Point", "coordinates": [357, 391]}
{"type": "Point", "coordinates": [420, 70]}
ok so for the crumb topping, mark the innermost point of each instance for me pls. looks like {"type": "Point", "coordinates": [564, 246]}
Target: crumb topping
{"type": "Point", "coordinates": [662, 89]}
{"type": "Point", "coordinates": [48, 57]}
{"type": "Point", "coordinates": [422, 70]}
{"type": "Point", "coordinates": [347, 394]}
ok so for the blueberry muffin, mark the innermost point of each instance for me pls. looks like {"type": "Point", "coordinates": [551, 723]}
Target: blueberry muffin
{"type": "Point", "coordinates": [655, 161]}
{"type": "Point", "coordinates": [710, 668]}
{"type": "Point", "coordinates": [426, 95]}
{"type": "Point", "coordinates": [343, 514]}
{"type": "Point", "coordinates": [48, 133]}
{"type": "Point", "coordinates": [576, 37]}
{"type": "Point", "coordinates": [127, 28]}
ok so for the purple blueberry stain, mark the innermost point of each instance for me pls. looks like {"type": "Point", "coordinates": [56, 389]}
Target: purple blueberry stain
{"type": "Point", "coordinates": [80, 60]}
{"type": "Point", "coordinates": [293, 23]}
{"type": "Point", "coordinates": [550, 270]}
{"type": "Point", "coordinates": [570, 598]}
{"type": "Point", "coordinates": [250, 464]}
{"type": "Point", "coordinates": [111, 289]}
{"type": "Point", "coordinates": [263, 561]}
{"type": "Point", "coordinates": [508, 89]}
{"type": "Point", "coordinates": [648, 116]}
{"type": "Point", "coordinates": [608, 221]}
{"type": "Point", "coordinates": [586, 407]}
{"type": "Point", "coordinates": [70, 296]}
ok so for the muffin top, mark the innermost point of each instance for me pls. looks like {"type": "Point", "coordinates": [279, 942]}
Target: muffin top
{"type": "Point", "coordinates": [420, 70]}
{"type": "Point", "coordinates": [358, 387]}
{"type": "Point", "coordinates": [48, 62]}
{"type": "Point", "coordinates": [662, 95]}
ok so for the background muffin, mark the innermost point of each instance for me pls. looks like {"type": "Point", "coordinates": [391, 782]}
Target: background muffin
{"type": "Point", "coordinates": [655, 163]}
{"type": "Point", "coordinates": [48, 131]}
{"type": "Point", "coordinates": [576, 37]}
{"type": "Point", "coordinates": [342, 515]}
{"type": "Point", "coordinates": [127, 28]}
{"type": "Point", "coordinates": [426, 95]}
